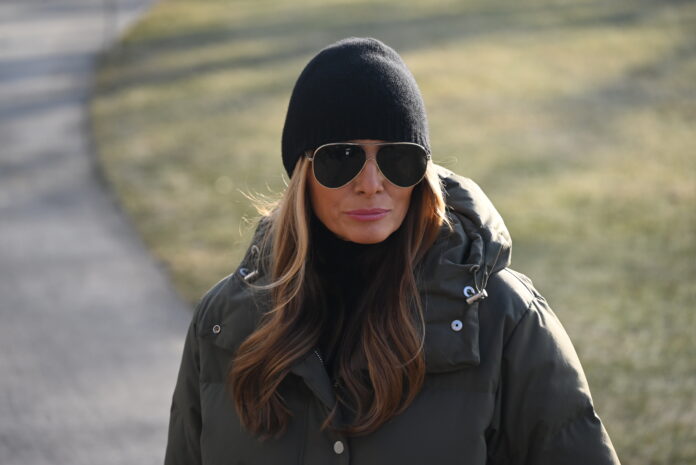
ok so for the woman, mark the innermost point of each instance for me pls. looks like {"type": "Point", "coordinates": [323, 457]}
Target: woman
{"type": "Point", "coordinates": [374, 319]}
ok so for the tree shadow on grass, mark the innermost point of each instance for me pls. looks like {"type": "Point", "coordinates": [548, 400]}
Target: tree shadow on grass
{"type": "Point", "coordinates": [299, 37]}
{"type": "Point", "coordinates": [587, 120]}
{"type": "Point", "coordinates": [646, 86]}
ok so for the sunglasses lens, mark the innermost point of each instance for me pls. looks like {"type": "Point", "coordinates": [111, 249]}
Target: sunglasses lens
{"type": "Point", "coordinates": [403, 164]}
{"type": "Point", "coordinates": [335, 165]}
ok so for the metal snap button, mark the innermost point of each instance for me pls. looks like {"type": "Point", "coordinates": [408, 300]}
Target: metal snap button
{"type": "Point", "coordinates": [216, 329]}
{"type": "Point", "coordinates": [338, 447]}
{"type": "Point", "coordinates": [469, 291]}
{"type": "Point", "coordinates": [457, 325]}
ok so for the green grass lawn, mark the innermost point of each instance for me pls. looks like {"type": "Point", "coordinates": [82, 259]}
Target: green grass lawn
{"type": "Point", "coordinates": [577, 118]}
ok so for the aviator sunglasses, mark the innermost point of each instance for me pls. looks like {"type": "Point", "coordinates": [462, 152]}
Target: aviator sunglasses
{"type": "Point", "coordinates": [336, 164]}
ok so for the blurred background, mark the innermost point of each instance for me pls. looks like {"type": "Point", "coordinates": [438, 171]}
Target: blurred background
{"type": "Point", "coordinates": [577, 118]}
{"type": "Point", "coordinates": [91, 330]}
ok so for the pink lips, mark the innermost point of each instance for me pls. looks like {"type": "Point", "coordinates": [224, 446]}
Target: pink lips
{"type": "Point", "coordinates": [368, 214]}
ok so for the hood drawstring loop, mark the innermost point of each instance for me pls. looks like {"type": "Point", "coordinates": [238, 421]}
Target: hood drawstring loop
{"type": "Point", "coordinates": [254, 257]}
{"type": "Point", "coordinates": [480, 291]}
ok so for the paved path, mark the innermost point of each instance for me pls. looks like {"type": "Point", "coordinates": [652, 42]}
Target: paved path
{"type": "Point", "coordinates": [90, 330]}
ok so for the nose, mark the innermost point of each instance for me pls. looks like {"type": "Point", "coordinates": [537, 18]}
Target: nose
{"type": "Point", "coordinates": [370, 181]}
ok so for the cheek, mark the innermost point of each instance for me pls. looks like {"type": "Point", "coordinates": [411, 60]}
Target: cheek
{"type": "Point", "coordinates": [324, 203]}
{"type": "Point", "coordinates": [402, 202]}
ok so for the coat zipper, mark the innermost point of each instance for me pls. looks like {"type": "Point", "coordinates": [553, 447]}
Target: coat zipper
{"type": "Point", "coordinates": [316, 352]}
{"type": "Point", "coordinates": [334, 382]}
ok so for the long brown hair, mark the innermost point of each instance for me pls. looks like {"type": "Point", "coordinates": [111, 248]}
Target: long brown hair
{"type": "Point", "coordinates": [380, 362]}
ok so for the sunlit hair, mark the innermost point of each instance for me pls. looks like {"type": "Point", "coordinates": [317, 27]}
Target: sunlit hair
{"type": "Point", "coordinates": [380, 359]}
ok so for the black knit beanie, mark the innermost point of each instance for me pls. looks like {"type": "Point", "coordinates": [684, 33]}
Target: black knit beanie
{"type": "Point", "coordinates": [353, 89]}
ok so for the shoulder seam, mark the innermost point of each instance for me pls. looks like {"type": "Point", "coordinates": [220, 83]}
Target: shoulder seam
{"type": "Point", "coordinates": [536, 297]}
{"type": "Point", "coordinates": [528, 307]}
{"type": "Point", "coordinates": [527, 311]}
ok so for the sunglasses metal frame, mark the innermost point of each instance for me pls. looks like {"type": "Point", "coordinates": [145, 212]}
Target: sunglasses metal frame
{"type": "Point", "coordinates": [310, 156]}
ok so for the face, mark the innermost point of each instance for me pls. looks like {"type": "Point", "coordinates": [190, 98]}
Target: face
{"type": "Point", "coordinates": [367, 209]}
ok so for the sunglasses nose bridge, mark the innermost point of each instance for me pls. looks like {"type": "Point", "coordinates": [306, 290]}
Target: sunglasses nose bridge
{"type": "Point", "coordinates": [373, 158]}
{"type": "Point", "coordinates": [375, 163]}
{"type": "Point", "coordinates": [371, 151]}
{"type": "Point", "coordinates": [370, 176]}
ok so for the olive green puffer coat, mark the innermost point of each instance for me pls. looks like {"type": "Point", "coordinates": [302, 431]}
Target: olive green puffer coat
{"type": "Point", "coordinates": [503, 383]}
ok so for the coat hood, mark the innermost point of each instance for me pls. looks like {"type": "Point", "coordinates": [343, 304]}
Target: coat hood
{"type": "Point", "coordinates": [455, 271]}
{"type": "Point", "coordinates": [480, 240]}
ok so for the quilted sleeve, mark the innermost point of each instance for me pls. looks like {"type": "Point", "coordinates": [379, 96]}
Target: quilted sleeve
{"type": "Point", "coordinates": [183, 444]}
{"type": "Point", "coordinates": [545, 411]}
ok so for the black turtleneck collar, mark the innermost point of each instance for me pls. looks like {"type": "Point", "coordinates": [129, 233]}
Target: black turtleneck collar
{"type": "Point", "coordinates": [336, 254]}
